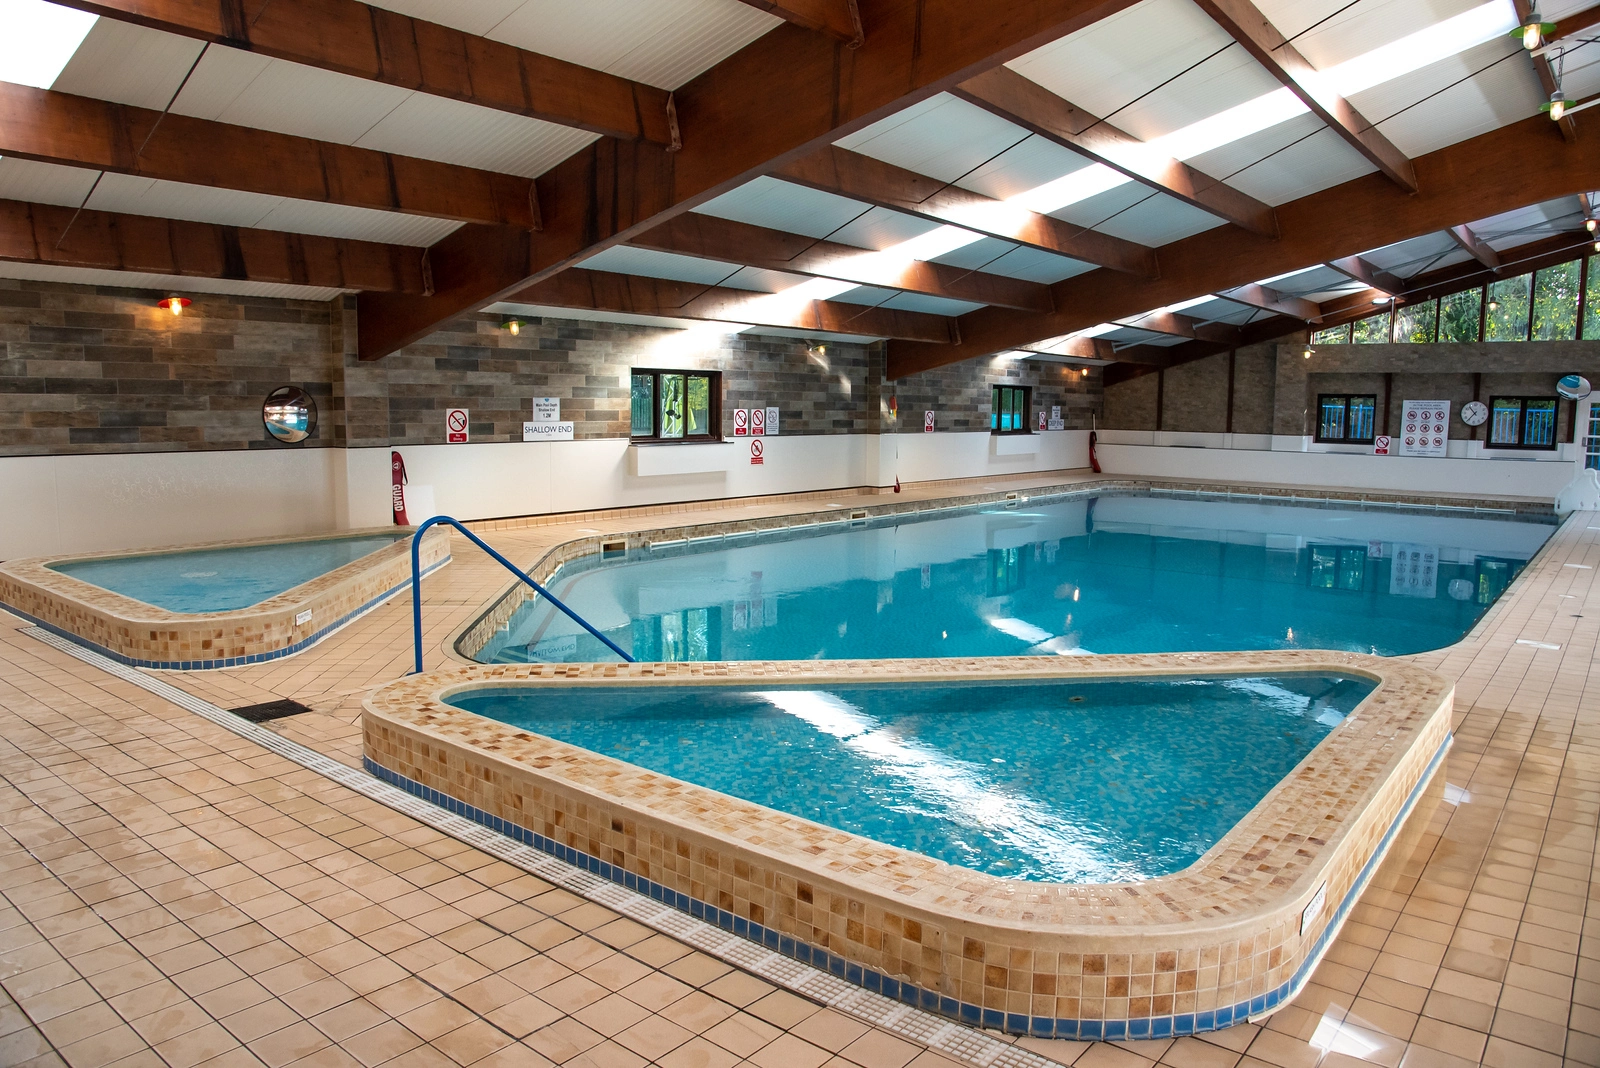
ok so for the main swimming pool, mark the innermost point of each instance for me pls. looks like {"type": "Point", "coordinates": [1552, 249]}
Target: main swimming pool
{"type": "Point", "coordinates": [1078, 781]}
{"type": "Point", "coordinates": [1123, 572]}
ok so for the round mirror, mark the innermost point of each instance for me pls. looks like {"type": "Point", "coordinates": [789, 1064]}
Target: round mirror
{"type": "Point", "coordinates": [1573, 387]}
{"type": "Point", "coordinates": [289, 413]}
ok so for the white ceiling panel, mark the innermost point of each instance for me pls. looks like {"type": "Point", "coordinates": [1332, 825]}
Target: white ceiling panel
{"type": "Point", "coordinates": [1328, 32]}
{"type": "Point", "coordinates": [476, 17]}
{"type": "Point", "coordinates": [229, 207]}
{"type": "Point", "coordinates": [880, 228]}
{"type": "Point", "coordinates": [246, 89]}
{"type": "Point", "coordinates": [1135, 213]}
{"type": "Point", "coordinates": [543, 311]}
{"type": "Point", "coordinates": [1495, 98]}
{"type": "Point", "coordinates": [83, 276]}
{"type": "Point", "coordinates": [941, 137]}
{"type": "Point", "coordinates": [1104, 66]}
{"type": "Point", "coordinates": [622, 259]}
{"type": "Point", "coordinates": [660, 42]}
{"type": "Point", "coordinates": [432, 127]}
{"type": "Point", "coordinates": [1406, 258]}
{"type": "Point", "coordinates": [781, 205]}
{"type": "Point", "coordinates": [44, 183]}
{"type": "Point", "coordinates": [763, 281]}
{"type": "Point", "coordinates": [1225, 311]}
{"type": "Point", "coordinates": [128, 64]}
{"type": "Point", "coordinates": [994, 256]}
{"type": "Point", "coordinates": [1286, 167]}
{"type": "Point", "coordinates": [873, 296]}
{"type": "Point", "coordinates": [1220, 83]}
{"type": "Point", "coordinates": [1564, 213]}
{"type": "Point", "coordinates": [1032, 163]}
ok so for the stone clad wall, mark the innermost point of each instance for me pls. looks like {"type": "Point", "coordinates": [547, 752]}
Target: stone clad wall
{"type": "Point", "coordinates": [90, 369]}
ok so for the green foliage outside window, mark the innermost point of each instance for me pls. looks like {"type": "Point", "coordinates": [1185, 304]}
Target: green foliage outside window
{"type": "Point", "coordinates": [1414, 324]}
{"type": "Point", "coordinates": [1373, 330]}
{"type": "Point", "coordinates": [1458, 316]}
{"type": "Point", "coordinates": [1334, 335]}
{"type": "Point", "coordinates": [1507, 318]}
{"type": "Point", "coordinates": [1555, 303]}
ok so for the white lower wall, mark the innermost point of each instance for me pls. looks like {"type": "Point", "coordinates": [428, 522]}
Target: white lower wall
{"type": "Point", "coordinates": [69, 504]}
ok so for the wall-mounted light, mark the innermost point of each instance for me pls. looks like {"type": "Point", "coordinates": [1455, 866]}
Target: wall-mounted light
{"type": "Point", "coordinates": [1382, 298]}
{"type": "Point", "coordinates": [1084, 372]}
{"type": "Point", "coordinates": [1534, 31]}
{"type": "Point", "coordinates": [174, 304]}
{"type": "Point", "coordinates": [1307, 353]}
{"type": "Point", "coordinates": [512, 326]}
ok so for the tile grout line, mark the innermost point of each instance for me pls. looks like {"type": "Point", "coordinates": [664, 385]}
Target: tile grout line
{"type": "Point", "coordinates": [972, 1045]}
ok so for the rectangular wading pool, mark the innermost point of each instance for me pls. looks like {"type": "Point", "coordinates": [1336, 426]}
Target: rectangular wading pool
{"type": "Point", "coordinates": [1101, 570]}
{"type": "Point", "coordinates": [217, 605]}
{"type": "Point", "coordinates": [959, 833]}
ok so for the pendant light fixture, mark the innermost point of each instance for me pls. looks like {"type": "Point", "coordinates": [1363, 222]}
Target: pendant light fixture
{"type": "Point", "coordinates": [1534, 31]}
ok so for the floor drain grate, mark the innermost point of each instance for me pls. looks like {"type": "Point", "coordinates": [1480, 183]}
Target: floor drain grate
{"type": "Point", "coordinates": [270, 710]}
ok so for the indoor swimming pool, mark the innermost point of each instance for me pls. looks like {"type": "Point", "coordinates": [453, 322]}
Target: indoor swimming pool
{"type": "Point", "coordinates": [193, 581]}
{"type": "Point", "coordinates": [1119, 572]}
{"type": "Point", "coordinates": [1080, 781]}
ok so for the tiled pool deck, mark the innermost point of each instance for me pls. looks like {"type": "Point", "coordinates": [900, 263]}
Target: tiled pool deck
{"type": "Point", "coordinates": [172, 892]}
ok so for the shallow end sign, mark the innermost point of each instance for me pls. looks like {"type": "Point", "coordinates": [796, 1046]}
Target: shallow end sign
{"type": "Point", "coordinates": [542, 431]}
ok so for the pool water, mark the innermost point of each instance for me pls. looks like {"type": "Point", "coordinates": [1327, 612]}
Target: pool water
{"type": "Point", "coordinates": [1079, 781]}
{"type": "Point", "coordinates": [1116, 573]}
{"type": "Point", "coordinates": [221, 580]}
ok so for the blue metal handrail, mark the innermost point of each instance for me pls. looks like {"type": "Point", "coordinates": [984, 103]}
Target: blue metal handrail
{"type": "Point", "coordinates": [416, 586]}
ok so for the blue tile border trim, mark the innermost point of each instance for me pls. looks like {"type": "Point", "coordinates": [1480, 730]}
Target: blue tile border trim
{"type": "Point", "coordinates": [226, 662]}
{"type": "Point", "coordinates": [929, 1000]}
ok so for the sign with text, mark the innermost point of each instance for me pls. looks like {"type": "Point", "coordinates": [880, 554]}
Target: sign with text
{"type": "Point", "coordinates": [455, 426]}
{"type": "Point", "coordinates": [758, 422]}
{"type": "Point", "coordinates": [772, 421]}
{"type": "Point", "coordinates": [546, 409]}
{"type": "Point", "coordinates": [927, 422]}
{"type": "Point", "coordinates": [542, 431]}
{"type": "Point", "coordinates": [741, 422]}
{"type": "Point", "coordinates": [1424, 427]}
{"type": "Point", "coordinates": [1414, 571]}
{"type": "Point", "coordinates": [1380, 445]}
{"type": "Point", "coordinates": [757, 452]}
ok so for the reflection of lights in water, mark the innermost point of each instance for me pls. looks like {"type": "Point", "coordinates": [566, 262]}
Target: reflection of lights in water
{"type": "Point", "coordinates": [1334, 1036]}
{"type": "Point", "coordinates": [199, 574]}
{"type": "Point", "coordinates": [1291, 634]}
{"type": "Point", "coordinates": [1075, 594]}
{"type": "Point", "coordinates": [954, 790]}
{"type": "Point", "coordinates": [1455, 795]}
{"type": "Point", "coordinates": [1021, 630]}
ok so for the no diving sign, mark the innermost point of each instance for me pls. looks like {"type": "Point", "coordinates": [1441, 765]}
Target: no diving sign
{"type": "Point", "coordinates": [1380, 445]}
{"type": "Point", "coordinates": [757, 452]}
{"type": "Point", "coordinates": [455, 426]}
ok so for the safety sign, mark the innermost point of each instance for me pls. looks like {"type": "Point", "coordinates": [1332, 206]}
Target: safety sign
{"type": "Point", "coordinates": [757, 452]}
{"type": "Point", "coordinates": [455, 426]}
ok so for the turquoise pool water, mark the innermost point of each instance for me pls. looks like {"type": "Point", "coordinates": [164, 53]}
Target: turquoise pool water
{"type": "Point", "coordinates": [221, 580]}
{"type": "Point", "coordinates": [1070, 781]}
{"type": "Point", "coordinates": [1117, 573]}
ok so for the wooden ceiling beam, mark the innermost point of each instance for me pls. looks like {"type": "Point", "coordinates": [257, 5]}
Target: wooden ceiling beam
{"type": "Point", "coordinates": [637, 295]}
{"type": "Point", "coordinates": [1479, 249]}
{"type": "Point", "coordinates": [850, 174]}
{"type": "Point", "coordinates": [839, 19]}
{"type": "Point", "coordinates": [1266, 298]}
{"type": "Point", "coordinates": [77, 131]}
{"type": "Point", "coordinates": [786, 94]}
{"type": "Point", "coordinates": [1245, 23]}
{"type": "Point", "coordinates": [1003, 92]}
{"type": "Point", "coordinates": [380, 45]}
{"type": "Point", "coordinates": [1364, 271]}
{"type": "Point", "coordinates": [1498, 171]}
{"type": "Point", "coordinates": [1575, 23]}
{"type": "Point", "coordinates": [711, 238]}
{"type": "Point", "coordinates": [33, 233]}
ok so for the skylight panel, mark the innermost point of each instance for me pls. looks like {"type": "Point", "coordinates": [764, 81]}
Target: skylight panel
{"type": "Point", "coordinates": [38, 40]}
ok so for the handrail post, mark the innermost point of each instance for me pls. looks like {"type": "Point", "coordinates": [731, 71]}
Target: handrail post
{"type": "Point", "coordinates": [416, 588]}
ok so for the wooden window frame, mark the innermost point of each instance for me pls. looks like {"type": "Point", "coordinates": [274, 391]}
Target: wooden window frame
{"type": "Point", "coordinates": [994, 410]}
{"type": "Point", "coordinates": [713, 415]}
{"type": "Point", "coordinates": [1346, 440]}
{"type": "Point", "coordinates": [1522, 426]}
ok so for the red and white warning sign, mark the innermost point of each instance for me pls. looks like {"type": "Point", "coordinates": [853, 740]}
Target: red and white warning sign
{"type": "Point", "coordinates": [758, 422]}
{"type": "Point", "coordinates": [757, 452]}
{"type": "Point", "coordinates": [455, 426]}
{"type": "Point", "coordinates": [927, 422]}
{"type": "Point", "coordinates": [1380, 445]}
{"type": "Point", "coordinates": [1043, 418]}
{"type": "Point", "coordinates": [741, 422]}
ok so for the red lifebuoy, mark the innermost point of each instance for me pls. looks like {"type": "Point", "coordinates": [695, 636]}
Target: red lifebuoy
{"type": "Point", "coordinates": [397, 492]}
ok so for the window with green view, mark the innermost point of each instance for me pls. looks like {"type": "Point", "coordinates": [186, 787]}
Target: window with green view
{"type": "Point", "coordinates": [675, 405]}
{"type": "Point", "coordinates": [1415, 323]}
{"type": "Point", "coordinates": [1373, 330]}
{"type": "Point", "coordinates": [1458, 316]}
{"type": "Point", "coordinates": [1507, 315]}
{"type": "Point", "coordinates": [1555, 303]}
{"type": "Point", "coordinates": [1333, 335]}
{"type": "Point", "coordinates": [1010, 411]}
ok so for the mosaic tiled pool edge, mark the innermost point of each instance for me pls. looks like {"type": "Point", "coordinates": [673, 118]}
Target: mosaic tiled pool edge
{"type": "Point", "coordinates": [471, 637]}
{"type": "Point", "coordinates": [140, 635]}
{"type": "Point", "coordinates": [1198, 951]}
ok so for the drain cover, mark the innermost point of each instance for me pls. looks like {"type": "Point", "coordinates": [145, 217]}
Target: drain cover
{"type": "Point", "coordinates": [270, 710]}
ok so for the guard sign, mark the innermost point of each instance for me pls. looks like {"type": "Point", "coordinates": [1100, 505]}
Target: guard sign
{"type": "Point", "coordinates": [757, 452]}
{"type": "Point", "coordinates": [455, 426]}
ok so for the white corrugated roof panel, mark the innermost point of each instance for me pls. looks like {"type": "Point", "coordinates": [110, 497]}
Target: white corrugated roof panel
{"type": "Point", "coordinates": [432, 127]}
{"type": "Point", "coordinates": [994, 256]}
{"type": "Point", "coordinates": [1222, 82]}
{"type": "Point", "coordinates": [1104, 66]}
{"type": "Point", "coordinates": [1419, 254]}
{"type": "Point", "coordinates": [128, 64]}
{"type": "Point", "coordinates": [880, 228]}
{"type": "Point", "coordinates": [44, 183]}
{"type": "Point", "coordinates": [941, 137]}
{"type": "Point", "coordinates": [876, 297]}
{"type": "Point", "coordinates": [623, 259]}
{"type": "Point", "coordinates": [84, 276]}
{"type": "Point", "coordinates": [1480, 89]}
{"type": "Point", "coordinates": [780, 205]}
{"type": "Point", "coordinates": [1135, 212]}
{"type": "Point", "coordinates": [1032, 163]}
{"type": "Point", "coordinates": [1287, 162]}
{"type": "Point", "coordinates": [1328, 32]}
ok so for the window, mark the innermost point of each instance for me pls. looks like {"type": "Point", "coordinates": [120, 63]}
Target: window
{"type": "Point", "coordinates": [1507, 317]}
{"type": "Point", "coordinates": [1010, 414]}
{"type": "Point", "coordinates": [1522, 423]}
{"type": "Point", "coordinates": [1338, 567]}
{"type": "Point", "coordinates": [1415, 323]}
{"type": "Point", "coordinates": [1555, 303]}
{"type": "Point", "coordinates": [676, 406]}
{"type": "Point", "coordinates": [1373, 330]}
{"type": "Point", "coordinates": [1346, 418]}
{"type": "Point", "coordinates": [1334, 335]}
{"type": "Point", "coordinates": [1458, 316]}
